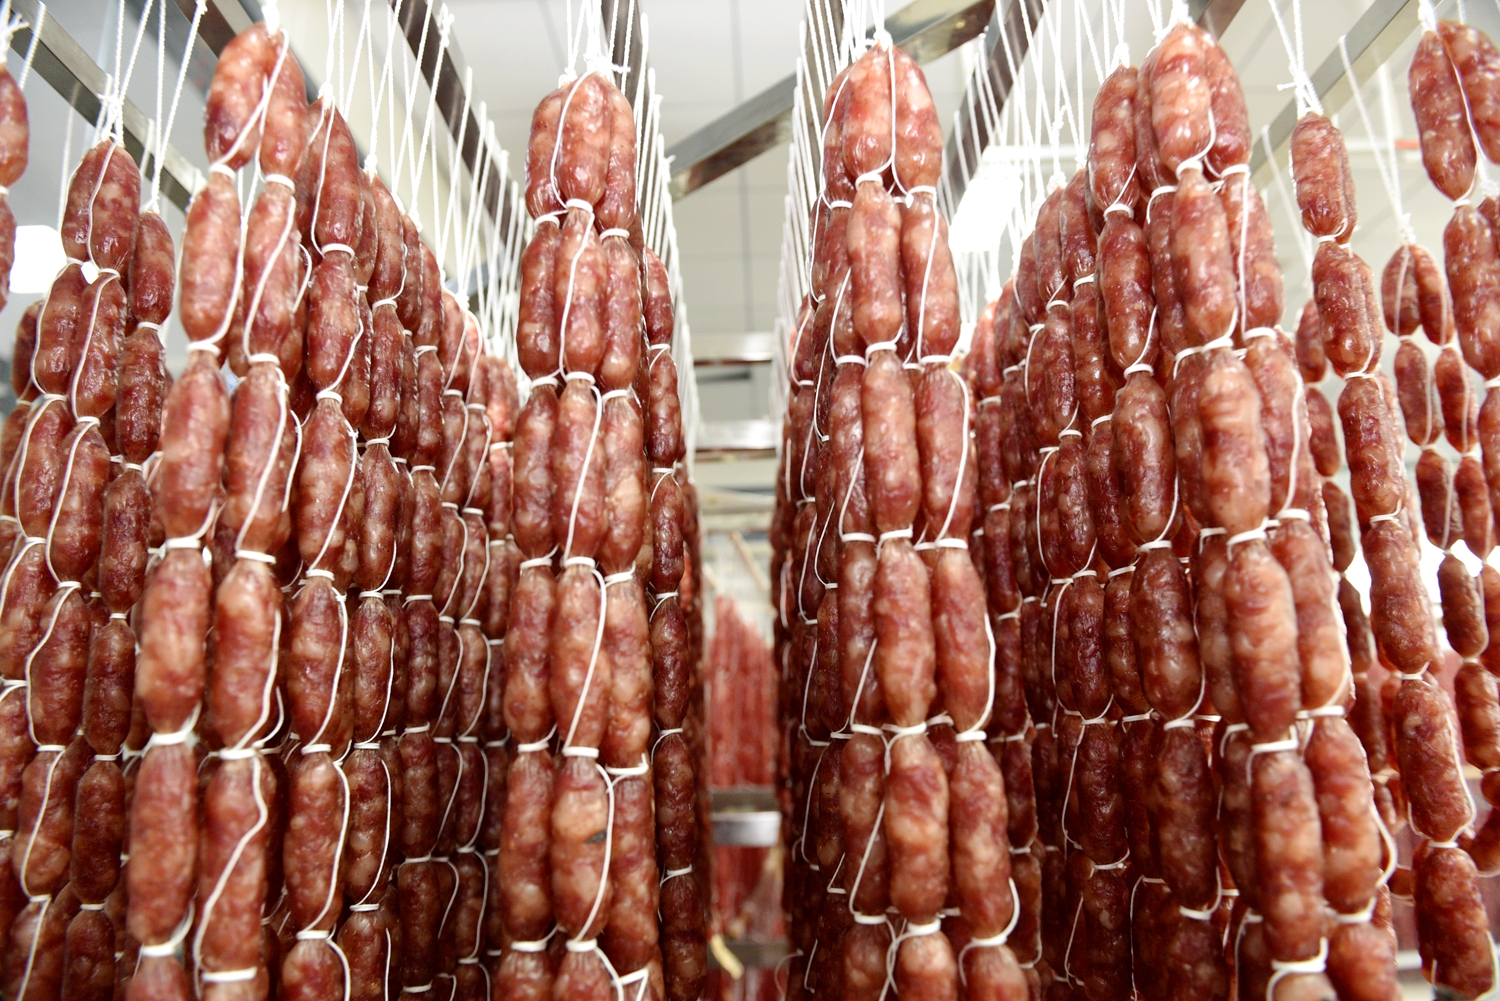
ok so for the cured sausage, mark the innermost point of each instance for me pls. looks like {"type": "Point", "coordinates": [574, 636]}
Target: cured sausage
{"type": "Point", "coordinates": [918, 136]}
{"type": "Point", "coordinates": [284, 126]}
{"type": "Point", "coordinates": [103, 201]}
{"type": "Point", "coordinates": [15, 135]}
{"type": "Point", "coordinates": [207, 280]}
{"type": "Point", "coordinates": [232, 118]}
{"type": "Point", "coordinates": [1473, 58]}
{"type": "Point", "coordinates": [328, 180]}
{"type": "Point", "coordinates": [231, 887]}
{"type": "Point", "coordinates": [1203, 262]}
{"type": "Point", "coordinates": [579, 162]}
{"type": "Point", "coordinates": [1112, 149]}
{"type": "Point", "coordinates": [1443, 129]}
{"type": "Point", "coordinates": [1181, 97]}
{"type": "Point", "coordinates": [1320, 166]}
{"type": "Point", "coordinates": [1450, 921]}
{"type": "Point", "coordinates": [1471, 262]}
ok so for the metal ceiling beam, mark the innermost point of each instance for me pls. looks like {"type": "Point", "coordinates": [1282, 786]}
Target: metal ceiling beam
{"type": "Point", "coordinates": [75, 76]}
{"type": "Point", "coordinates": [924, 29]}
{"type": "Point", "coordinates": [224, 19]}
{"type": "Point", "coordinates": [221, 21]}
{"type": "Point", "coordinates": [627, 45]}
{"type": "Point", "coordinates": [1371, 41]}
{"type": "Point", "coordinates": [1215, 15]}
{"type": "Point", "coordinates": [733, 349]}
{"type": "Point", "coordinates": [972, 135]}
{"type": "Point", "coordinates": [500, 200]}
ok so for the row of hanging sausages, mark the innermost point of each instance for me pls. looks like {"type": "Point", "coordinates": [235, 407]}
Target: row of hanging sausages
{"type": "Point", "coordinates": [257, 639]}
{"type": "Point", "coordinates": [600, 832]}
{"type": "Point", "coordinates": [69, 654]}
{"type": "Point", "coordinates": [899, 877]}
{"type": "Point", "coordinates": [1195, 777]}
{"type": "Point", "coordinates": [1452, 304]}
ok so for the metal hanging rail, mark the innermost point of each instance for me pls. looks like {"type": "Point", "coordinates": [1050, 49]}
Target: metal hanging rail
{"type": "Point", "coordinates": [627, 46]}
{"type": "Point", "coordinates": [75, 76]}
{"type": "Point", "coordinates": [221, 21]}
{"type": "Point", "coordinates": [500, 200]}
{"type": "Point", "coordinates": [971, 135]}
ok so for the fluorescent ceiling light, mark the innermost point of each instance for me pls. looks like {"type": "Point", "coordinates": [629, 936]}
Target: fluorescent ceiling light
{"type": "Point", "coordinates": [39, 257]}
{"type": "Point", "coordinates": [988, 203]}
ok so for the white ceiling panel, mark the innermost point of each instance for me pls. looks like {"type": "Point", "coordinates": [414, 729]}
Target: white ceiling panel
{"type": "Point", "coordinates": [766, 173]}
{"type": "Point", "coordinates": [693, 52]}
{"type": "Point", "coordinates": [723, 273]}
{"type": "Point", "coordinates": [768, 40]}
